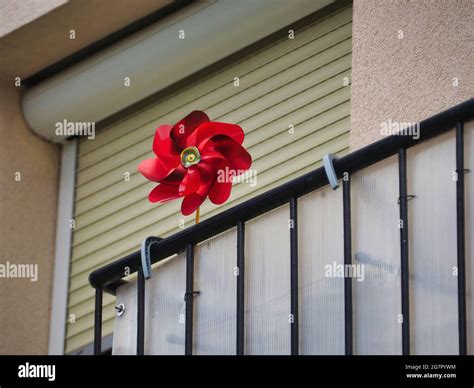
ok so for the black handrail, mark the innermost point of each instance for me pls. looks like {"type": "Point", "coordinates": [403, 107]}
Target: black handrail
{"type": "Point", "coordinates": [404, 250]}
{"type": "Point", "coordinates": [346, 214]}
{"type": "Point", "coordinates": [461, 242]}
{"type": "Point", "coordinates": [110, 276]}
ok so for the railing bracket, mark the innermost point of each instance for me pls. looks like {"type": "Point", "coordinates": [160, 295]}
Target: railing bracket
{"type": "Point", "coordinates": [330, 171]}
{"type": "Point", "coordinates": [146, 255]}
{"type": "Point", "coordinates": [407, 197]}
{"type": "Point", "coordinates": [194, 293]}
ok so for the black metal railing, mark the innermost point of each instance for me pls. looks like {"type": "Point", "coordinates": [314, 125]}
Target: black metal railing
{"type": "Point", "coordinates": [346, 211]}
{"type": "Point", "coordinates": [109, 277]}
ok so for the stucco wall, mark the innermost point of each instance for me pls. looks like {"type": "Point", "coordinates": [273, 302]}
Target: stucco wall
{"type": "Point", "coordinates": [27, 229]}
{"type": "Point", "coordinates": [411, 78]}
{"type": "Point", "coordinates": [16, 14]}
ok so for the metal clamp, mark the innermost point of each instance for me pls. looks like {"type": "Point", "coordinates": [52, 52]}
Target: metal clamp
{"type": "Point", "coordinates": [194, 293]}
{"type": "Point", "coordinates": [328, 160]}
{"type": "Point", "coordinates": [146, 254]}
{"type": "Point", "coordinates": [407, 197]}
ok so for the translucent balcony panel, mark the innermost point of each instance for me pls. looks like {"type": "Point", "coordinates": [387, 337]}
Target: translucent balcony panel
{"type": "Point", "coordinates": [433, 258]}
{"type": "Point", "coordinates": [125, 329]}
{"type": "Point", "coordinates": [267, 288]}
{"type": "Point", "coordinates": [215, 306]}
{"type": "Point", "coordinates": [320, 252]}
{"type": "Point", "coordinates": [165, 307]}
{"type": "Point", "coordinates": [376, 254]}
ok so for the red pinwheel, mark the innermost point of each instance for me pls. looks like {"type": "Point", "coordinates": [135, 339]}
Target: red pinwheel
{"type": "Point", "coordinates": [190, 156]}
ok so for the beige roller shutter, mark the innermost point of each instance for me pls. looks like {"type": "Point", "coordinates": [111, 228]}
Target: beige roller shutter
{"type": "Point", "coordinates": [297, 82]}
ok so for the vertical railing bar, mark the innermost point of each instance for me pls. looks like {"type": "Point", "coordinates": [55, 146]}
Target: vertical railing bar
{"type": "Point", "coordinates": [346, 201]}
{"type": "Point", "coordinates": [98, 321]}
{"type": "Point", "coordinates": [189, 300]}
{"type": "Point", "coordinates": [240, 335]}
{"type": "Point", "coordinates": [294, 276]}
{"type": "Point", "coordinates": [461, 248]}
{"type": "Point", "coordinates": [140, 313]}
{"type": "Point", "coordinates": [404, 250]}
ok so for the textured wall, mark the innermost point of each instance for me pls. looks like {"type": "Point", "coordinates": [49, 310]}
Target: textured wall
{"type": "Point", "coordinates": [411, 78]}
{"type": "Point", "coordinates": [18, 13]}
{"type": "Point", "coordinates": [27, 229]}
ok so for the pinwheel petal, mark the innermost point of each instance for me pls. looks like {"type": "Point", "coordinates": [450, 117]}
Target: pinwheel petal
{"type": "Point", "coordinates": [209, 129]}
{"type": "Point", "coordinates": [185, 127]}
{"type": "Point", "coordinates": [176, 176]}
{"type": "Point", "coordinates": [191, 203]}
{"type": "Point", "coordinates": [155, 169]}
{"type": "Point", "coordinates": [207, 170]}
{"type": "Point", "coordinates": [191, 182]}
{"type": "Point", "coordinates": [210, 155]}
{"type": "Point", "coordinates": [163, 145]}
{"type": "Point", "coordinates": [220, 192]}
{"type": "Point", "coordinates": [236, 155]}
{"type": "Point", "coordinates": [163, 193]}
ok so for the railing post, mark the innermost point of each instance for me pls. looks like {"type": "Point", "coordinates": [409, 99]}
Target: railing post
{"type": "Point", "coordinates": [294, 276]}
{"type": "Point", "coordinates": [98, 321]}
{"type": "Point", "coordinates": [189, 300]}
{"type": "Point", "coordinates": [461, 248]}
{"type": "Point", "coordinates": [140, 313]}
{"type": "Point", "coordinates": [240, 335]}
{"type": "Point", "coordinates": [346, 202]}
{"type": "Point", "coordinates": [404, 252]}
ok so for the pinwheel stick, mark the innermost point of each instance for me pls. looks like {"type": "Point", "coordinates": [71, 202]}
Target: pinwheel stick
{"type": "Point", "coordinates": [197, 216]}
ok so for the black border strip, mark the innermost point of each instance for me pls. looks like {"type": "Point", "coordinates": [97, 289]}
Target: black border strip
{"type": "Point", "coordinates": [274, 198]}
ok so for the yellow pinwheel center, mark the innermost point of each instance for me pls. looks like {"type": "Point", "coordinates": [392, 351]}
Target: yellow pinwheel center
{"type": "Point", "coordinates": [190, 156]}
